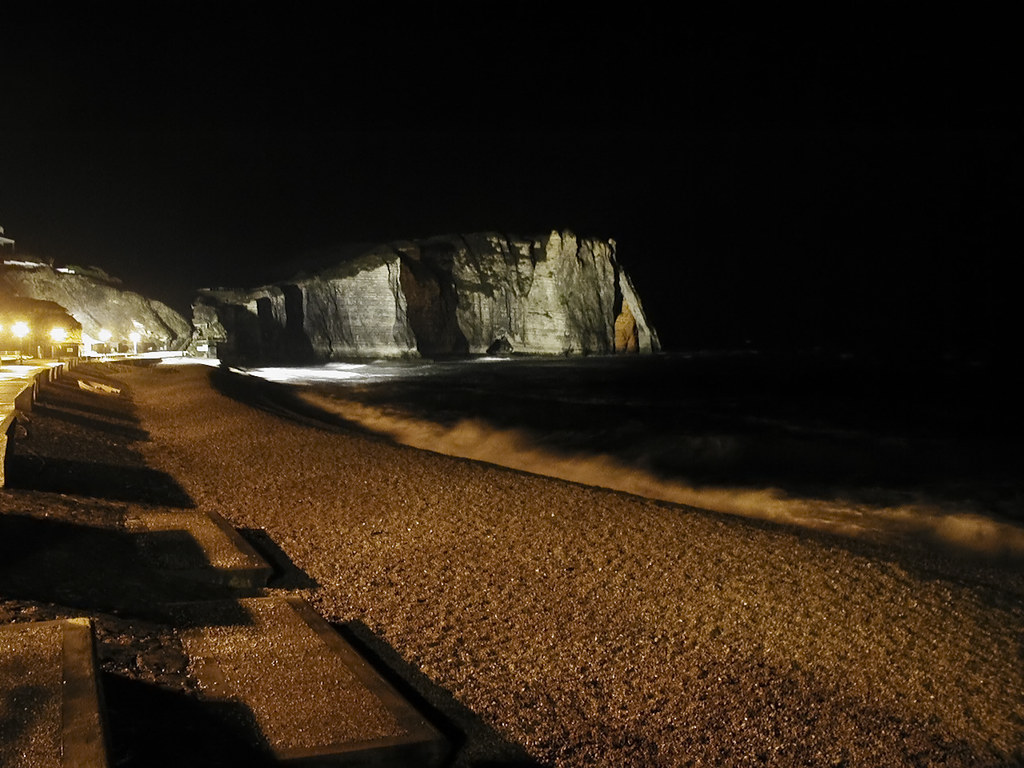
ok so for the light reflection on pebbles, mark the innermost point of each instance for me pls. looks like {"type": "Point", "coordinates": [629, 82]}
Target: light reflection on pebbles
{"type": "Point", "coordinates": [31, 663]}
{"type": "Point", "coordinates": [602, 629]}
{"type": "Point", "coordinates": [275, 652]}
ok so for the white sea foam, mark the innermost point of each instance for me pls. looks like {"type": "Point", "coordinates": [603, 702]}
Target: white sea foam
{"type": "Point", "coordinates": [959, 526]}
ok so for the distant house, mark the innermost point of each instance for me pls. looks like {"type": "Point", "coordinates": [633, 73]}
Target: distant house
{"type": "Point", "coordinates": [5, 241]}
{"type": "Point", "coordinates": [51, 331]}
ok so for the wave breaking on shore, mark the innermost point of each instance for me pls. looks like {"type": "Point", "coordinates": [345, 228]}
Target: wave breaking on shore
{"type": "Point", "coordinates": [956, 526]}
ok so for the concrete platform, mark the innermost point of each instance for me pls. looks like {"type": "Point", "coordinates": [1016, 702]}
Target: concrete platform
{"type": "Point", "coordinates": [19, 385]}
{"type": "Point", "coordinates": [314, 700]}
{"type": "Point", "coordinates": [49, 697]}
{"type": "Point", "coordinates": [215, 552]}
{"type": "Point", "coordinates": [7, 414]}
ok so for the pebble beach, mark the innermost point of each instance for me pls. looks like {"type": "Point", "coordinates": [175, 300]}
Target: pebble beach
{"type": "Point", "coordinates": [595, 628]}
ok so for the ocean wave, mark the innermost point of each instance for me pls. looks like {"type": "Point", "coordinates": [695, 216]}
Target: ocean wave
{"type": "Point", "coordinates": [959, 525]}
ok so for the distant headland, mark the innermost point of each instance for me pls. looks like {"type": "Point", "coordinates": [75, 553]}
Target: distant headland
{"type": "Point", "coordinates": [463, 294]}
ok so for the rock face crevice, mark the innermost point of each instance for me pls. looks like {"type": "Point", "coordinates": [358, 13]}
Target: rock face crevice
{"type": "Point", "coordinates": [450, 295]}
{"type": "Point", "coordinates": [431, 299]}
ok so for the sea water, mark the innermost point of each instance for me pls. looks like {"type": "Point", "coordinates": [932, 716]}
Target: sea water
{"type": "Point", "coordinates": [925, 449]}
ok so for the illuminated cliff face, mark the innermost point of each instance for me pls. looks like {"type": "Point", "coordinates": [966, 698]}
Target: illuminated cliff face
{"type": "Point", "coordinates": [106, 313]}
{"type": "Point", "coordinates": [457, 294]}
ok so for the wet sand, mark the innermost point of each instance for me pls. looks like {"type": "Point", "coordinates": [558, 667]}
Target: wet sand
{"type": "Point", "coordinates": [598, 628]}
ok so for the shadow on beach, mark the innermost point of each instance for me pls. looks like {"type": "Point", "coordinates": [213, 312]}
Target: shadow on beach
{"type": "Point", "coordinates": [286, 574]}
{"type": "Point", "coordinates": [161, 728]}
{"type": "Point", "coordinates": [66, 395]}
{"type": "Point", "coordinates": [83, 443]}
{"type": "Point", "coordinates": [282, 400]}
{"type": "Point", "coordinates": [39, 472]}
{"type": "Point", "coordinates": [476, 744]}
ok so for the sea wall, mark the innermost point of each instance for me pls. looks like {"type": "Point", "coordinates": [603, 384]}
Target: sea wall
{"type": "Point", "coordinates": [450, 295]}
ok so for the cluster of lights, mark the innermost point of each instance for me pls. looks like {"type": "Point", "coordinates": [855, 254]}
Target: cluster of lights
{"type": "Point", "coordinates": [59, 335]}
{"type": "Point", "coordinates": [21, 330]}
{"type": "Point", "coordinates": [134, 337]}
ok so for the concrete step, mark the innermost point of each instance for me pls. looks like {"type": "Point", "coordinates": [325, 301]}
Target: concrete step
{"type": "Point", "coordinates": [201, 546]}
{"type": "Point", "coordinates": [50, 712]}
{"type": "Point", "coordinates": [313, 698]}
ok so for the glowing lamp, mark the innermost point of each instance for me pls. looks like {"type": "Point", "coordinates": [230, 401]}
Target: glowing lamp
{"type": "Point", "coordinates": [105, 335]}
{"type": "Point", "coordinates": [20, 329]}
{"type": "Point", "coordinates": [58, 335]}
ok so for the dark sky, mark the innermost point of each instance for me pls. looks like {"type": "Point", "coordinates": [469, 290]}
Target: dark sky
{"type": "Point", "coordinates": [854, 188]}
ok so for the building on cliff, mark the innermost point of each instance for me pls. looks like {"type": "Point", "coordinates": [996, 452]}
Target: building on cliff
{"type": "Point", "coordinates": [449, 295]}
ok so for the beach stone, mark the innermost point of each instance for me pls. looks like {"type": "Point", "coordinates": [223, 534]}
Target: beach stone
{"type": "Point", "coordinates": [500, 346]}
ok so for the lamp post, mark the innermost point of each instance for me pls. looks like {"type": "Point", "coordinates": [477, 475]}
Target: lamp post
{"type": "Point", "coordinates": [20, 329]}
{"type": "Point", "coordinates": [104, 336]}
{"type": "Point", "coordinates": [134, 337]}
{"type": "Point", "coordinates": [57, 336]}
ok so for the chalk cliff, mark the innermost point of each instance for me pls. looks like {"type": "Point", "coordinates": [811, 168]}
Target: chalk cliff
{"type": "Point", "coordinates": [97, 301]}
{"type": "Point", "coordinates": [455, 294]}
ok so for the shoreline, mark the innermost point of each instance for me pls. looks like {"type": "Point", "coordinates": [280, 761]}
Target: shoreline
{"type": "Point", "coordinates": [597, 628]}
{"type": "Point", "coordinates": [957, 530]}
{"type": "Point", "coordinates": [820, 444]}
{"type": "Point", "coordinates": [590, 627]}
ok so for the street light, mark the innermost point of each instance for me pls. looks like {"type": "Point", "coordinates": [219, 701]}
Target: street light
{"type": "Point", "coordinates": [20, 329]}
{"type": "Point", "coordinates": [104, 336]}
{"type": "Point", "coordinates": [134, 337]}
{"type": "Point", "coordinates": [57, 336]}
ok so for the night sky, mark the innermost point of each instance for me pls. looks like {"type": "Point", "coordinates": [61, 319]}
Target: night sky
{"type": "Point", "coordinates": [770, 187]}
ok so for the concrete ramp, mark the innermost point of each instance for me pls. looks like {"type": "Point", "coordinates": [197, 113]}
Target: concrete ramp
{"type": "Point", "coordinates": [49, 697]}
{"type": "Point", "coordinates": [201, 546]}
{"type": "Point", "coordinates": [314, 699]}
